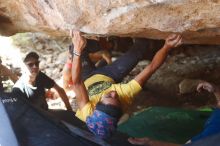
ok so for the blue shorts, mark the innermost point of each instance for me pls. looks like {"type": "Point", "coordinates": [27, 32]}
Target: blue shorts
{"type": "Point", "coordinates": [211, 127]}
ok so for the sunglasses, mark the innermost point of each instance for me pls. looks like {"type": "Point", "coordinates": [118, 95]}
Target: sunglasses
{"type": "Point", "coordinates": [33, 63]}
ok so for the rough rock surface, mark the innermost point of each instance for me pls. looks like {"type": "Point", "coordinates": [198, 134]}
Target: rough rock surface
{"type": "Point", "coordinates": [195, 62]}
{"type": "Point", "coordinates": [197, 20]}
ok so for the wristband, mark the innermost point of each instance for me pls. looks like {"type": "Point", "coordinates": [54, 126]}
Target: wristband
{"type": "Point", "coordinates": [76, 54]}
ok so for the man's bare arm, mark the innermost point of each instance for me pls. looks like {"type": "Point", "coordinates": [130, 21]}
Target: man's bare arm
{"type": "Point", "coordinates": [7, 72]}
{"type": "Point", "coordinates": [106, 55]}
{"type": "Point", "coordinates": [210, 88]}
{"type": "Point", "coordinates": [171, 42]}
{"type": "Point", "coordinates": [78, 85]}
{"type": "Point", "coordinates": [63, 96]}
{"type": "Point", "coordinates": [145, 141]}
{"type": "Point", "coordinates": [67, 76]}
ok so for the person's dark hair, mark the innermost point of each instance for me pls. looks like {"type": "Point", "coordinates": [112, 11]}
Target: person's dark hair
{"type": "Point", "coordinates": [71, 48]}
{"type": "Point", "coordinates": [31, 55]}
{"type": "Point", "coordinates": [111, 110]}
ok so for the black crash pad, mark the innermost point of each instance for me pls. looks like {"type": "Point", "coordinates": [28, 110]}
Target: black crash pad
{"type": "Point", "coordinates": [35, 127]}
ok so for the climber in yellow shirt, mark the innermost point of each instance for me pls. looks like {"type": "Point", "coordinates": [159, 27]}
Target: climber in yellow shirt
{"type": "Point", "coordinates": [100, 95]}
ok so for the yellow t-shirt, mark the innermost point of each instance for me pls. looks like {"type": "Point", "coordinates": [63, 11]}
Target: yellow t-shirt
{"type": "Point", "coordinates": [126, 93]}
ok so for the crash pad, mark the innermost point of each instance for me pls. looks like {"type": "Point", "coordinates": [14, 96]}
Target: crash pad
{"type": "Point", "coordinates": [26, 125]}
{"type": "Point", "coordinates": [166, 124]}
{"type": "Point", "coordinates": [32, 127]}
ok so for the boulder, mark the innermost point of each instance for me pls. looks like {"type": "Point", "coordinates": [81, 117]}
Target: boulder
{"type": "Point", "coordinates": [198, 21]}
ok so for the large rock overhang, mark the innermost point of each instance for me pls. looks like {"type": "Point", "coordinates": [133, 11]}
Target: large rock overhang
{"type": "Point", "coordinates": [198, 21]}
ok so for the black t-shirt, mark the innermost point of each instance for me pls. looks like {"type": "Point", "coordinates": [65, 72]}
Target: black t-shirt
{"type": "Point", "coordinates": [1, 86]}
{"type": "Point", "coordinates": [35, 94]}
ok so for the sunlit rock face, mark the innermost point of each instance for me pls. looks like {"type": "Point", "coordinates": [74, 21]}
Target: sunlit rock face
{"type": "Point", "coordinates": [197, 20]}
